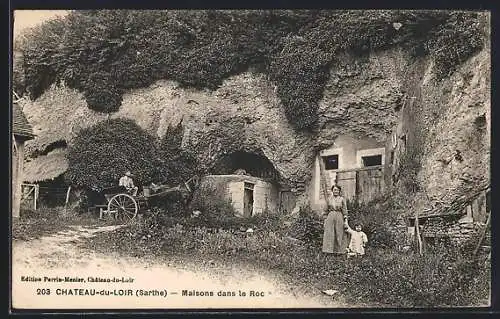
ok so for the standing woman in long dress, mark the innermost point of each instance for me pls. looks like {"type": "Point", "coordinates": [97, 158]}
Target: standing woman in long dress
{"type": "Point", "coordinates": [334, 237]}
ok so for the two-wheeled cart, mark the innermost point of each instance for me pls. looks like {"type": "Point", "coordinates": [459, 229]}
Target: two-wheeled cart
{"type": "Point", "coordinates": [123, 206]}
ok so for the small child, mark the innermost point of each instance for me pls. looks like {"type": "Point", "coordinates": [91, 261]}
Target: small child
{"type": "Point", "coordinates": [358, 240]}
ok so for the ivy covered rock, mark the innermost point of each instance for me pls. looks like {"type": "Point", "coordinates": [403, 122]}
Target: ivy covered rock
{"type": "Point", "coordinates": [102, 53]}
{"type": "Point", "coordinates": [177, 165]}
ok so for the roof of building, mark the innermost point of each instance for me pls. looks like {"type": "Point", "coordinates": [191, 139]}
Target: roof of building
{"type": "Point", "coordinates": [20, 125]}
{"type": "Point", "coordinates": [45, 167]}
{"type": "Point", "coordinates": [455, 207]}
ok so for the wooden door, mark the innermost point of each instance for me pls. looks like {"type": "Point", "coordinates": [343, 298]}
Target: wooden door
{"type": "Point", "coordinates": [347, 181]}
{"type": "Point", "coordinates": [248, 200]}
{"type": "Point", "coordinates": [287, 202]}
{"type": "Point", "coordinates": [370, 184]}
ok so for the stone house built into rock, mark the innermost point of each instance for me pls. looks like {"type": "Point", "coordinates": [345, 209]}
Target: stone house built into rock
{"type": "Point", "coordinates": [21, 132]}
{"type": "Point", "coordinates": [249, 195]}
{"type": "Point", "coordinates": [358, 165]}
{"type": "Point", "coordinates": [247, 180]}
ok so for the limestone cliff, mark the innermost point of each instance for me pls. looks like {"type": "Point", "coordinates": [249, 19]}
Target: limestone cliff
{"type": "Point", "coordinates": [463, 124]}
{"type": "Point", "coordinates": [363, 98]}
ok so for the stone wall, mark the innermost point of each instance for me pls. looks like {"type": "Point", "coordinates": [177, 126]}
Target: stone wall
{"type": "Point", "coordinates": [448, 121]}
{"type": "Point", "coordinates": [455, 229]}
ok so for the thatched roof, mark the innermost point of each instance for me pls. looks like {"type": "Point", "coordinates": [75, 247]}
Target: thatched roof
{"type": "Point", "coordinates": [57, 115]}
{"type": "Point", "coordinates": [46, 167]}
{"type": "Point", "coordinates": [20, 125]}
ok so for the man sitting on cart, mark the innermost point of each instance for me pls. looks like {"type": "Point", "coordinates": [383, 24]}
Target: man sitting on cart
{"type": "Point", "coordinates": [127, 182]}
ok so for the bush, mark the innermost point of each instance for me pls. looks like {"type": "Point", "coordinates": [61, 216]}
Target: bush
{"type": "Point", "coordinates": [307, 227]}
{"type": "Point", "coordinates": [376, 218]}
{"type": "Point", "coordinates": [432, 280]}
{"type": "Point", "coordinates": [216, 211]}
{"type": "Point", "coordinates": [461, 37]}
{"type": "Point", "coordinates": [106, 99]}
{"type": "Point", "coordinates": [101, 154]}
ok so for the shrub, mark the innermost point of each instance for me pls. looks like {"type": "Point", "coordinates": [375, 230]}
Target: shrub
{"type": "Point", "coordinates": [308, 227]}
{"type": "Point", "coordinates": [376, 217]}
{"type": "Point", "coordinates": [216, 211]}
{"type": "Point", "coordinates": [432, 280]}
{"type": "Point", "coordinates": [103, 97]}
{"type": "Point", "coordinates": [101, 154]}
{"type": "Point", "coordinates": [173, 204]}
{"type": "Point", "coordinates": [462, 37]}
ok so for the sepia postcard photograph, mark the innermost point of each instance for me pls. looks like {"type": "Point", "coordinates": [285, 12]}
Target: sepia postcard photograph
{"type": "Point", "coordinates": [250, 159]}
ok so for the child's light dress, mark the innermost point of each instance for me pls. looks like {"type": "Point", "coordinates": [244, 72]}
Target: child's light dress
{"type": "Point", "coordinates": [358, 241]}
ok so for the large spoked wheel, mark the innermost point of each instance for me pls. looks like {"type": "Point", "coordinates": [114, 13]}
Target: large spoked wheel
{"type": "Point", "coordinates": [123, 207]}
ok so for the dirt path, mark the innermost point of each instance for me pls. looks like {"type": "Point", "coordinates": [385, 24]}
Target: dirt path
{"type": "Point", "coordinates": [144, 280]}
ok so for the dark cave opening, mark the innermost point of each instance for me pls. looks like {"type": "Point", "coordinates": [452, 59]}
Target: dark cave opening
{"type": "Point", "coordinates": [241, 162]}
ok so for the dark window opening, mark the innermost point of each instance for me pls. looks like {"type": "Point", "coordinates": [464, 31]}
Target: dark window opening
{"type": "Point", "coordinates": [52, 193]}
{"type": "Point", "coordinates": [374, 160]}
{"type": "Point", "coordinates": [331, 162]}
{"type": "Point", "coordinates": [392, 157]}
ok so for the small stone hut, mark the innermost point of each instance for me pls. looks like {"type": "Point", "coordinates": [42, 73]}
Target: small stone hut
{"type": "Point", "coordinates": [21, 132]}
{"type": "Point", "coordinates": [457, 223]}
{"type": "Point", "coordinates": [249, 195]}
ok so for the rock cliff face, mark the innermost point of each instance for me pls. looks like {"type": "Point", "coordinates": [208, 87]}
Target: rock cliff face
{"type": "Point", "coordinates": [462, 124]}
{"type": "Point", "coordinates": [362, 99]}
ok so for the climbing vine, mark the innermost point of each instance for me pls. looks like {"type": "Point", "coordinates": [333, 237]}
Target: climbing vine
{"type": "Point", "coordinates": [102, 53]}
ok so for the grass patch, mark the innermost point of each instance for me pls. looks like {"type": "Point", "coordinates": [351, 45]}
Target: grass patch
{"type": "Point", "coordinates": [382, 278]}
{"type": "Point", "coordinates": [34, 224]}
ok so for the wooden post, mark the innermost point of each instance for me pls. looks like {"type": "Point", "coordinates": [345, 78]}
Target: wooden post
{"type": "Point", "coordinates": [37, 192]}
{"type": "Point", "coordinates": [481, 236]}
{"type": "Point", "coordinates": [417, 233]}
{"type": "Point", "coordinates": [67, 198]}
